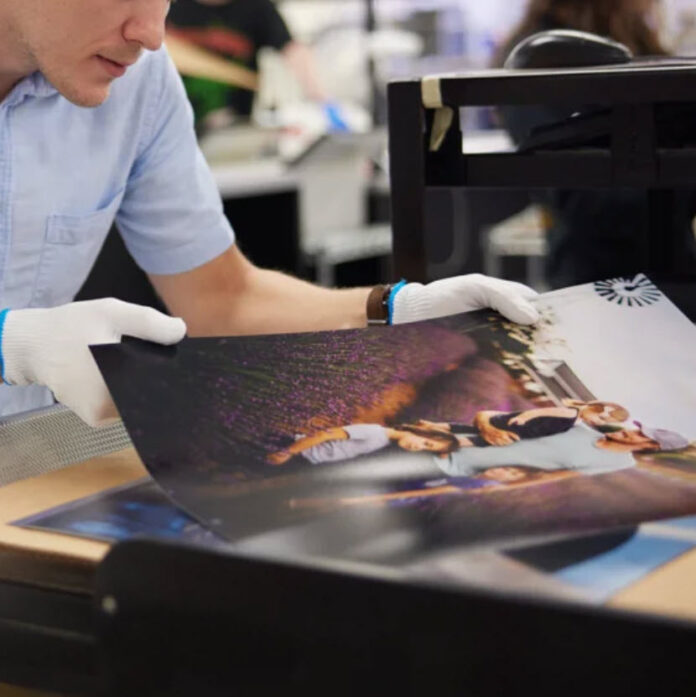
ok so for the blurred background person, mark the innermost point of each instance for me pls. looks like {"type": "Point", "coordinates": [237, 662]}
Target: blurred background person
{"type": "Point", "coordinates": [592, 233]}
{"type": "Point", "coordinates": [237, 30]}
{"type": "Point", "coordinates": [634, 23]}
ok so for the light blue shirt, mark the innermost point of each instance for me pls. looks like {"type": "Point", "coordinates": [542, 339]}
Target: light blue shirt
{"type": "Point", "coordinates": [67, 172]}
{"type": "Point", "coordinates": [363, 439]}
{"type": "Point", "coordinates": [575, 449]}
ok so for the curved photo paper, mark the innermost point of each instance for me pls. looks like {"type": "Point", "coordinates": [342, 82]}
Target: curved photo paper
{"type": "Point", "coordinates": [462, 449]}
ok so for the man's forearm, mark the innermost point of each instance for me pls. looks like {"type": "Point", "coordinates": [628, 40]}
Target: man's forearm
{"type": "Point", "coordinates": [228, 295]}
{"type": "Point", "coordinates": [483, 418]}
{"type": "Point", "coordinates": [259, 301]}
{"type": "Point", "coordinates": [544, 412]}
{"type": "Point", "coordinates": [279, 303]}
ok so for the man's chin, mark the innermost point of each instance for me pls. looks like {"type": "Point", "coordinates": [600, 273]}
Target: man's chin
{"type": "Point", "coordinates": [89, 99]}
{"type": "Point", "coordinates": [88, 96]}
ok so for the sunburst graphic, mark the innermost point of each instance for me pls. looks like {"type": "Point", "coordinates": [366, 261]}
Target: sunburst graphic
{"type": "Point", "coordinates": [631, 292]}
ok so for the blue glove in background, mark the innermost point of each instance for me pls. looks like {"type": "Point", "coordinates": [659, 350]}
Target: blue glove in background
{"type": "Point", "coordinates": [337, 122]}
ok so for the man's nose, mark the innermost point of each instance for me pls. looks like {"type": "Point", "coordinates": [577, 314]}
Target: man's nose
{"type": "Point", "coordinates": [145, 26]}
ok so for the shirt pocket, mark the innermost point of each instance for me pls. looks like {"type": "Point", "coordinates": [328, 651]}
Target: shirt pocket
{"type": "Point", "coordinates": [71, 246]}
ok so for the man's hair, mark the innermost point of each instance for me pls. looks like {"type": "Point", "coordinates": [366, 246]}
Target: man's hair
{"type": "Point", "coordinates": [617, 412]}
{"type": "Point", "coordinates": [449, 440]}
{"type": "Point", "coordinates": [655, 447]}
{"type": "Point", "coordinates": [650, 447]}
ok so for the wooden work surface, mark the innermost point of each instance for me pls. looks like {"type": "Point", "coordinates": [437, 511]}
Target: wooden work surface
{"type": "Point", "coordinates": [53, 559]}
{"type": "Point", "coordinates": [62, 561]}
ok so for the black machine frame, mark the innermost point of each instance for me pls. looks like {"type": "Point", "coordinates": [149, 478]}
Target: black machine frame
{"type": "Point", "coordinates": [167, 619]}
{"type": "Point", "coordinates": [177, 620]}
{"type": "Point", "coordinates": [634, 157]}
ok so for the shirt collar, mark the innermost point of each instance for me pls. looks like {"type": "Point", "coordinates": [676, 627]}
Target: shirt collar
{"type": "Point", "coordinates": [42, 87]}
{"type": "Point", "coordinates": [34, 85]}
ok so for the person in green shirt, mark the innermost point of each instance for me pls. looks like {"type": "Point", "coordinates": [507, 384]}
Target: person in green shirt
{"type": "Point", "coordinates": [237, 30]}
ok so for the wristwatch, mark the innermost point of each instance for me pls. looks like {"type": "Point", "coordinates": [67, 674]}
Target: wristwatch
{"type": "Point", "coordinates": [378, 304]}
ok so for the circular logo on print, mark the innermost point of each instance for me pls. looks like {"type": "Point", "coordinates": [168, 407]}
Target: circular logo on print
{"type": "Point", "coordinates": [632, 292]}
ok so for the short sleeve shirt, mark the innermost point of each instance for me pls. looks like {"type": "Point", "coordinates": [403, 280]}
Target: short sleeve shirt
{"type": "Point", "coordinates": [66, 172]}
{"type": "Point", "coordinates": [362, 440]}
{"type": "Point", "coordinates": [534, 428]}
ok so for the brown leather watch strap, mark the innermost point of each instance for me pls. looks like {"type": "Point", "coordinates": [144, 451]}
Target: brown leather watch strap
{"type": "Point", "coordinates": [377, 304]}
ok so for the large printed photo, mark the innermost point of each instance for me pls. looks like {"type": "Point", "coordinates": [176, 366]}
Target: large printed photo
{"type": "Point", "coordinates": [421, 443]}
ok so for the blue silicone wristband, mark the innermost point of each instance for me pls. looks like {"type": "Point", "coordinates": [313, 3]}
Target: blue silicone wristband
{"type": "Point", "coordinates": [390, 301]}
{"type": "Point", "coordinates": [3, 317]}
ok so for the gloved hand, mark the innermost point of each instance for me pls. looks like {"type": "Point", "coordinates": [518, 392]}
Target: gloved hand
{"type": "Point", "coordinates": [50, 347]}
{"type": "Point", "coordinates": [335, 118]}
{"type": "Point", "coordinates": [415, 301]}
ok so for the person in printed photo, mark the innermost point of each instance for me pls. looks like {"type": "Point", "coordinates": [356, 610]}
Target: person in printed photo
{"type": "Point", "coordinates": [579, 448]}
{"type": "Point", "coordinates": [347, 442]}
{"type": "Point", "coordinates": [504, 428]}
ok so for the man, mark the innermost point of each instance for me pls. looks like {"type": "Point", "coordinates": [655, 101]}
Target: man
{"type": "Point", "coordinates": [95, 124]}
{"type": "Point", "coordinates": [577, 449]}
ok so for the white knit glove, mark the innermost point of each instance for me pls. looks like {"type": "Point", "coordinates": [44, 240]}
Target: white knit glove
{"type": "Point", "coordinates": [50, 347]}
{"type": "Point", "coordinates": [450, 296]}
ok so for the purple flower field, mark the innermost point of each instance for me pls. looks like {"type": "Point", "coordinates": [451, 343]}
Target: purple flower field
{"type": "Point", "coordinates": [241, 398]}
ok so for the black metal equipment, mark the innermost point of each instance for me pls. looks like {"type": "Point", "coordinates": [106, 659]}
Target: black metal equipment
{"type": "Point", "coordinates": [637, 135]}
{"type": "Point", "coordinates": [170, 619]}
{"type": "Point", "coordinates": [177, 620]}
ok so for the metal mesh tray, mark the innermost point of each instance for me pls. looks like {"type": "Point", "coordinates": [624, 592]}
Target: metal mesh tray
{"type": "Point", "coordinates": [49, 439]}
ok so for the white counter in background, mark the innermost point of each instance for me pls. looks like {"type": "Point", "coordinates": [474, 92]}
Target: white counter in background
{"type": "Point", "coordinates": [331, 183]}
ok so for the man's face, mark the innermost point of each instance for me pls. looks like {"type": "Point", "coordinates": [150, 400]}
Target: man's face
{"type": "Point", "coordinates": [82, 46]}
{"type": "Point", "coordinates": [416, 443]}
{"type": "Point", "coordinates": [630, 440]}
